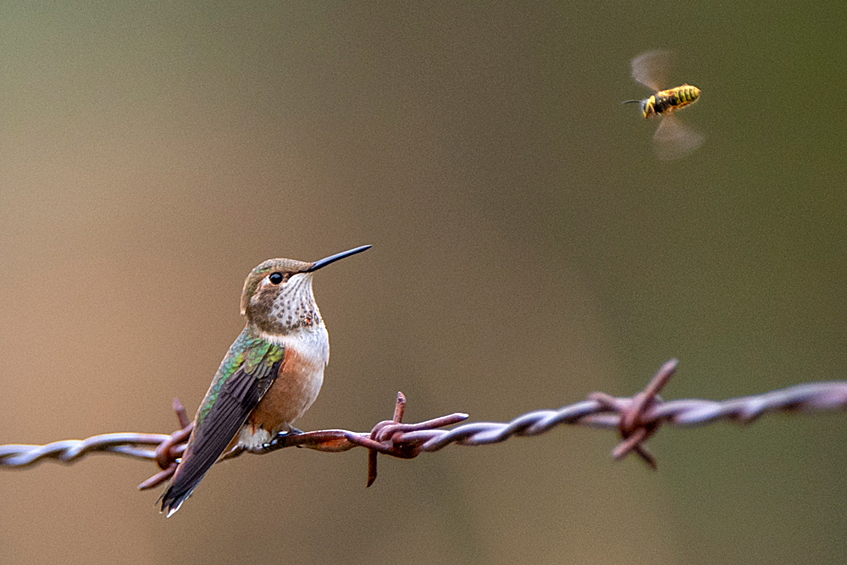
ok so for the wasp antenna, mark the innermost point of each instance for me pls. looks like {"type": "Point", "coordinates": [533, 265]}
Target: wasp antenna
{"type": "Point", "coordinates": [631, 102]}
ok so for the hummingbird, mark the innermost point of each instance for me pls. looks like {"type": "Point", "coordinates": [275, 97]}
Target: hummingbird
{"type": "Point", "coordinates": [270, 376]}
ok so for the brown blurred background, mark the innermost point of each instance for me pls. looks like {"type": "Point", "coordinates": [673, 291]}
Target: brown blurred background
{"type": "Point", "coordinates": [528, 250]}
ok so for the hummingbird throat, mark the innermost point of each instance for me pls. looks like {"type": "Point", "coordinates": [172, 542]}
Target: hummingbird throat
{"type": "Point", "coordinates": [292, 308]}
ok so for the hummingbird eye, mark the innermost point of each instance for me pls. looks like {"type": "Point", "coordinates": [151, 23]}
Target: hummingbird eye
{"type": "Point", "coordinates": [275, 278]}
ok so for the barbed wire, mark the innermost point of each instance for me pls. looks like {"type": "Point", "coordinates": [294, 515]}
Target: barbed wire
{"type": "Point", "coordinates": [636, 419]}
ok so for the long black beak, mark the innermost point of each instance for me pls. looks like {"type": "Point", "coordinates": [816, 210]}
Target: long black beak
{"type": "Point", "coordinates": [333, 258]}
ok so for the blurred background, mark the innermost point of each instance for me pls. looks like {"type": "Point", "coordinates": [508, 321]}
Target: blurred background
{"type": "Point", "coordinates": [528, 249]}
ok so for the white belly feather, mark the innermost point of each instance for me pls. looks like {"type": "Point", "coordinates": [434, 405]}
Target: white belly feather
{"type": "Point", "coordinates": [312, 347]}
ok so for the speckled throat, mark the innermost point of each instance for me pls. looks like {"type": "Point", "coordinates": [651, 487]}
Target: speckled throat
{"type": "Point", "coordinates": [286, 309]}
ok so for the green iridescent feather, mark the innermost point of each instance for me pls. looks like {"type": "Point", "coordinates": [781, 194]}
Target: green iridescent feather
{"type": "Point", "coordinates": [256, 355]}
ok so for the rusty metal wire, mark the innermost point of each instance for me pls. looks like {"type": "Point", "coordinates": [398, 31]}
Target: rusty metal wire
{"type": "Point", "coordinates": [636, 419]}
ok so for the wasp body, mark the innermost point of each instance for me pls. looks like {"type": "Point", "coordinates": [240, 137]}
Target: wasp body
{"type": "Point", "coordinates": [668, 101]}
{"type": "Point", "coordinates": [672, 139]}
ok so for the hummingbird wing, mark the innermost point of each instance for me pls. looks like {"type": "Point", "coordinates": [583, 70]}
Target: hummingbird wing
{"type": "Point", "coordinates": [242, 380]}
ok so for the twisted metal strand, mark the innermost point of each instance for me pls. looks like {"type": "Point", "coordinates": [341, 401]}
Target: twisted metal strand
{"type": "Point", "coordinates": [71, 450]}
{"type": "Point", "coordinates": [636, 419]}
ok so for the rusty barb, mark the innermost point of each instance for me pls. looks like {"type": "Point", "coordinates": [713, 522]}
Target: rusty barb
{"type": "Point", "coordinates": [634, 425]}
{"type": "Point", "coordinates": [636, 420]}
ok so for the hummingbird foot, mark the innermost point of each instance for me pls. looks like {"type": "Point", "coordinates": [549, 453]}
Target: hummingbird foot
{"type": "Point", "coordinates": [278, 442]}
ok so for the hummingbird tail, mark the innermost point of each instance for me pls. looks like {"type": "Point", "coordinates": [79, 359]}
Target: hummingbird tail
{"type": "Point", "coordinates": [188, 475]}
{"type": "Point", "coordinates": [173, 498]}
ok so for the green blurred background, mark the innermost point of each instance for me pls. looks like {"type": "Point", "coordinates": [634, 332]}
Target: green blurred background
{"type": "Point", "coordinates": [528, 249]}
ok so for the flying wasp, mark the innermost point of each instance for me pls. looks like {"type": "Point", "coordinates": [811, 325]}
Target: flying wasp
{"type": "Point", "coordinates": [672, 139]}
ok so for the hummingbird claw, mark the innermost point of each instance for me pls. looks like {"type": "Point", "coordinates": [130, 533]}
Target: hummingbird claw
{"type": "Point", "coordinates": [278, 441]}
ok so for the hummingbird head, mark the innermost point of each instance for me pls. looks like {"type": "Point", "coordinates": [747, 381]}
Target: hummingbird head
{"type": "Point", "coordinates": [277, 296]}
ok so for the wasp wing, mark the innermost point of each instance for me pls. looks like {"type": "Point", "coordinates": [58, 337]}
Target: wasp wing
{"type": "Point", "coordinates": [673, 139]}
{"type": "Point", "coordinates": [651, 68]}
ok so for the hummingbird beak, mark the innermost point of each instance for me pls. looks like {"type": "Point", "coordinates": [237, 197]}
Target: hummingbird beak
{"type": "Point", "coordinates": [333, 258]}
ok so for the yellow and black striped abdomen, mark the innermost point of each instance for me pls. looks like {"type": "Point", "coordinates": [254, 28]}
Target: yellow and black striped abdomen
{"type": "Point", "coordinates": [667, 101]}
